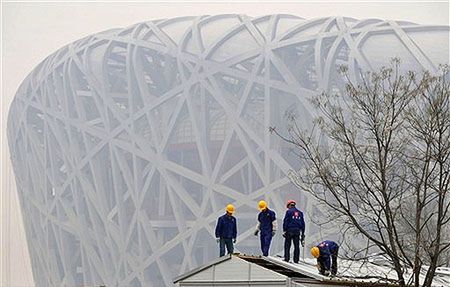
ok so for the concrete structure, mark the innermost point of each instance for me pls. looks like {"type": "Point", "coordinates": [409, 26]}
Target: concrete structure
{"type": "Point", "coordinates": [128, 144]}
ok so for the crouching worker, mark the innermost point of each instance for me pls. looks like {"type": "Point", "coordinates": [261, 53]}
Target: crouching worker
{"type": "Point", "coordinates": [326, 254]}
{"type": "Point", "coordinates": [267, 225]}
{"type": "Point", "coordinates": [226, 231]}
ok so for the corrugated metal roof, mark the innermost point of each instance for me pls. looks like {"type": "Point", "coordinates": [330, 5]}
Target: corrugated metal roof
{"type": "Point", "coordinates": [279, 267]}
{"type": "Point", "coordinates": [201, 268]}
{"type": "Point", "coordinates": [306, 274]}
{"type": "Point", "coordinates": [232, 270]}
{"type": "Point", "coordinates": [309, 269]}
{"type": "Point", "coordinates": [253, 270]}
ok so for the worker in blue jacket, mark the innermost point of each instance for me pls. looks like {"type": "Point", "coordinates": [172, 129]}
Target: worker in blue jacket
{"type": "Point", "coordinates": [267, 225]}
{"type": "Point", "coordinates": [226, 231]}
{"type": "Point", "coordinates": [326, 253]}
{"type": "Point", "coordinates": [293, 231]}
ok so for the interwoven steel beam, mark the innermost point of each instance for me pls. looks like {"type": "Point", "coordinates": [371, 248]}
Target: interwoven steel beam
{"type": "Point", "coordinates": [128, 144]}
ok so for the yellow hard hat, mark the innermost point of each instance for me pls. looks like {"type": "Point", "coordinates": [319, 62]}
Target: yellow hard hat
{"type": "Point", "coordinates": [315, 252]}
{"type": "Point", "coordinates": [230, 208]}
{"type": "Point", "coordinates": [262, 205]}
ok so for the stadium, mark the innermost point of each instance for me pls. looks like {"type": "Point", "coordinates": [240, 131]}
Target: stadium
{"type": "Point", "coordinates": [127, 144]}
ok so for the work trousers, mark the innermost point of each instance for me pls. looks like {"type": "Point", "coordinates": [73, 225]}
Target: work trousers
{"type": "Point", "coordinates": [289, 238]}
{"type": "Point", "coordinates": [334, 266]}
{"type": "Point", "coordinates": [228, 242]}
{"type": "Point", "coordinates": [266, 238]}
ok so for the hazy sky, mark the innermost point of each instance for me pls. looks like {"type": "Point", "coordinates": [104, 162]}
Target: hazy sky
{"type": "Point", "coordinates": [31, 31]}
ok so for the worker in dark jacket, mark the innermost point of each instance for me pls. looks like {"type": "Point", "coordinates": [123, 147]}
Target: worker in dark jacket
{"type": "Point", "coordinates": [293, 231]}
{"type": "Point", "coordinates": [267, 225]}
{"type": "Point", "coordinates": [326, 253]}
{"type": "Point", "coordinates": [226, 231]}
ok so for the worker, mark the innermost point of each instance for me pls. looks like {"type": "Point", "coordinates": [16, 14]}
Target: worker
{"type": "Point", "coordinates": [267, 225]}
{"type": "Point", "coordinates": [226, 230]}
{"type": "Point", "coordinates": [326, 253]}
{"type": "Point", "coordinates": [293, 231]}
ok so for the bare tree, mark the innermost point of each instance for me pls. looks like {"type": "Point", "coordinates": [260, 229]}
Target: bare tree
{"type": "Point", "coordinates": [378, 160]}
{"type": "Point", "coordinates": [428, 124]}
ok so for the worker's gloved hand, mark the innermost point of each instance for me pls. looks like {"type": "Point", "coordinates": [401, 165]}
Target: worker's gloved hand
{"type": "Point", "coordinates": [256, 232]}
{"type": "Point", "coordinates": [284, 234]}
{"type": "Point", "coordinates": [273, 232]}
{"type": "Point", "coordinates": [218, 240]}
{"type": "Point", "coordinates": [234, 240]}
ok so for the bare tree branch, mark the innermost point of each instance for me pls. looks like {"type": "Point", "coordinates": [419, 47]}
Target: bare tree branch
{"type": "Point", "coordinates": [377, 158]}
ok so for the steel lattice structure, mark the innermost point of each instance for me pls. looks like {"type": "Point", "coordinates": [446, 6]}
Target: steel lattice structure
{"type": "Point", "coordinates": [127, 144]}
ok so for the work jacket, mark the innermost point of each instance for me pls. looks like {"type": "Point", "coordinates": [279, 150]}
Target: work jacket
{"type": "Point", "coordinates": [327, 248]}
{"type": "Point", "coordinates": [267, 221]}
{"type": "Point", "coordinates": [226, 227]}
{"type": "Point", "coordinates": [293, 221]}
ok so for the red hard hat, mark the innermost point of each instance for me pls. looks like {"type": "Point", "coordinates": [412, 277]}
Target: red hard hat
{"type": "Point", "coordinates": [289, 202]}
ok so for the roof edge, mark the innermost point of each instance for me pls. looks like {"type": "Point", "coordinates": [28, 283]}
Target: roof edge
{"type": "Point", "coordinates": [201, 268]}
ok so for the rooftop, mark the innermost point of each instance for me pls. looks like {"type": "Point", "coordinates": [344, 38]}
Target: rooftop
{"type": "Point", "coordinates": [250, 270]}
